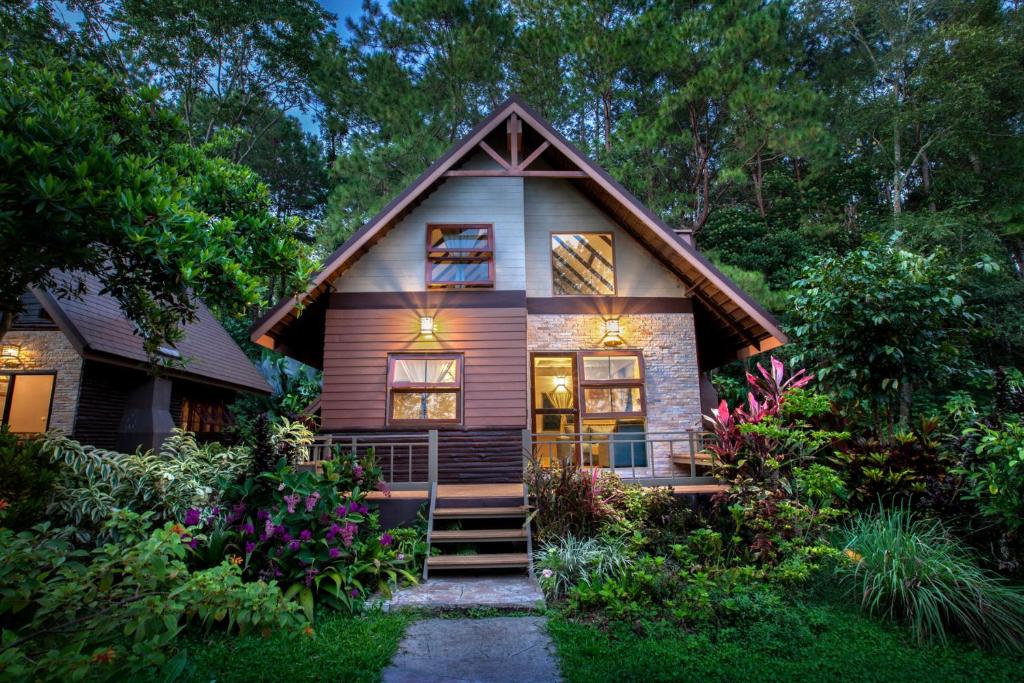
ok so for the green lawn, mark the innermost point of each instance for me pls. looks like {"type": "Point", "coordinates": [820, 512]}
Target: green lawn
{"type": "Point", "coordinates": [828, 644]}
{"type": "Point", "coordinates": [343, 648]}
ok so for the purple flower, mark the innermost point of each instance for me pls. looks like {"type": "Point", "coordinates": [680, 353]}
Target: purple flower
{"type": "Point", "coordinates": [334, 552]}
{"type": "Point", "coordinates": [268, 529]}
{"type": "Point", "coordinates": [293, 545]}
{"type": "Point", "coordinates": [249, 547]}
{"type": "Point", "coordinates": [348, 532]}
{"type": "Point", "coordinates": [192, 517]}
{"type": "Point", "coordinates": [310, 573]}
{"type": "Point", "coordinates": [386, 540]}
{"type": "Point", "coordinates": [354, 592]}
{"type": "Point", "coordinates": [247, 529]}
{"type": "Point", "coordinates": [194, 543]}
{"type": "Point", "coordinates": [262, 516]}
{"type": "Point", "coordinates": [285, 536]}
{"type": "Point", "coordinates": [237, 510]}
{"type": "Point", "coordinates": [291, 501]}
{"type": "Point", "coordinates": [357, 471]}
{"type": "Point", "coordinates": [312, 500]}
{"type": "Point", "coordinates": [305, 535]}
{"type": "Point", "coordinates": [332, 532]}
{"type": "Point", "coordinates": [215, 511]}
{"type": "Point", "coordinates": [340, 511]}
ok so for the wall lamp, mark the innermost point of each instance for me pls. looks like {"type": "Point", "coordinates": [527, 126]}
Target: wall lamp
{"type": "Point", "coordinates": [10, 353]}
{"type": "Point", "coordinates": [427, 325]}
{"type": "Point", "coordinates": [612, 333]}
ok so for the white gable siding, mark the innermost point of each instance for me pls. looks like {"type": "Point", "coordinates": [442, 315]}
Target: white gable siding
{"type": "Point", "coordinates": [553, 205]}
{"type": "Point", "coordinates": [397, 263]}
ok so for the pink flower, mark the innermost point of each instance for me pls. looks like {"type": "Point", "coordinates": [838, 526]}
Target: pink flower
{"type": "Point", "coordinates": [348, 533]}
{"type": "Point", "coordinates": [312, 500]}
{"type": "Point", "coordinates": [291, 501]}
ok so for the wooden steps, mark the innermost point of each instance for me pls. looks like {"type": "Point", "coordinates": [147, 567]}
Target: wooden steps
{"type": "Point", "coordinates": [478, 527]}
{"type": "Point", "coordinates": [479, 535]}
{"type": "Point", "coordinates": [481, 561]}
{"type": "Point", "coordinates": [479, 512]}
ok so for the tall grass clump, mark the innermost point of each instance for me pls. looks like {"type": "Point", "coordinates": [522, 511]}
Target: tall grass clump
{"type": "Point", "coordinates": [572, 560]}
{"type": "Point", "coordinates": [912, 571]}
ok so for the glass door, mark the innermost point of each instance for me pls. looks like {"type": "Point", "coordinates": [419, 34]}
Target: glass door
{"type": "Point", "coordinates": [555, 406]}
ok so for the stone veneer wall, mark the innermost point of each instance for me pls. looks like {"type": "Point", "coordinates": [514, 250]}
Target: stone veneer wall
{"type": "Point", "coordinates": [668, 343]}
{"type": "Point", "coordinates": [51, 350]}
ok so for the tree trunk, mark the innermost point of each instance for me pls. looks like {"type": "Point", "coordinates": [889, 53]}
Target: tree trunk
{"type": "Point", "coordinates": [906, 398]}
{"type": "Point", "coordinates": [926, 180]}
{"type": "Point", "coordinates": [758, 177]}
{"type": "Point", "coordinates": [897, 175]}
{"type": "Point", "coordinates": [606, 100]}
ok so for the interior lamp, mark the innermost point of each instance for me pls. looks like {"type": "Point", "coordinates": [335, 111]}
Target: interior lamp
{"type": "Point", "coordinates": [561, 382]}
{"type": "Point", "coordinates": [427, 325]}
{"type": "Point", "coordinates": [612, 332]}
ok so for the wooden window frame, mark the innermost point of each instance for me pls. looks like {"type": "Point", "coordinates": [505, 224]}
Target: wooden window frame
{"type": "Point", "coordinates": [639, 383]}
{"type": "Point", "coordinates": [551, 251]}
{"type": "Point", "coordinates": [435, 256]}
{"type": "Point", "coordinates": [200, 409]}
{"type": "Point", "coordinates": [424, 387]}
{"type": "Point", "coordinates": [573, 381]}
{"type": "Point", "coordinates": [13, 374]}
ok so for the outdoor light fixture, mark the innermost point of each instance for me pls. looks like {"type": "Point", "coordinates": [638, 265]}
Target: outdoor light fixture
{"type": "Point", "coordinates": [427, 325]}
{"type": "Point", "coordinates": [612, 333]}
{"type": "Point", "coordinates": [10, 352]}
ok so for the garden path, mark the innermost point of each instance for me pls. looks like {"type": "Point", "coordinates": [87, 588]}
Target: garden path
{"type": "Point", "coordinates": [490, 650]}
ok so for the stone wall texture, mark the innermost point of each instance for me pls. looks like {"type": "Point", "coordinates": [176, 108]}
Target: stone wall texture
{"type": "Point", "coordinates": [51, 350]}
{"type": "Point", "coordinates": [672, 381]}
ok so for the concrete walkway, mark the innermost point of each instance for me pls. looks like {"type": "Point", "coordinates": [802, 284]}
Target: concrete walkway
{"type": "Point", "coordinates": [498, 650]}
{"type": "Point", "coordinates": [519, 593]}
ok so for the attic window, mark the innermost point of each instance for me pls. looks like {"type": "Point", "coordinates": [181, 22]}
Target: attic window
{"type": "Point", "coordinates": [583, 264]}
{"type": "Point", "coordinates": [460, 256]}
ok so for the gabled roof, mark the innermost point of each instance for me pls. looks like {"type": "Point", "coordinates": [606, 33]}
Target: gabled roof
{"type": "Point", "coordinates": [100, 331]}
{"type": "Point", "coordinates": [741, 324]}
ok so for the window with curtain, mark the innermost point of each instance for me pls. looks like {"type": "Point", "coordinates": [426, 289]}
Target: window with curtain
{"type": "Point", "coordinates": [425, 388]}
{"type": "Point", "coordinates": [460, 256]}
{"type": "Point", "coordinates": [25, 400]}
{"type": "Point", "coordinates": [582, 264]}
{"type": "Point", "coordinates": [613, 384]}
{"type": "Point", "coordinates": [204, 417]}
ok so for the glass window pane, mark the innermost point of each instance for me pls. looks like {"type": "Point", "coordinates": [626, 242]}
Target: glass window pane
{"type": "Point", "coordinates": [441, 405]}
{"type": "Point", "coordinates": [598, 400]}
{"type": "Point", "coordinates": [583, 264]}
{"type": "Point", "coordinates": [410, 370]}
{"type": "Point", "coordinates": [595, 368]}
{"type": "Point", "coordinates": [552, 383]}
{"type": "Point", "coordinates": [30, 403]}
{"type": "Point", "coordinates": [459, 238]}
{"type": "Point", "coordinates": [441, 371]}
{"type": "Point", "coordinates": [5, 383]}
{"type": "Point", "coordinates": [623, 367]}
{"type": "Point", "coordinates": [459, 271]}
{"type": "Point", "coordinates": [626, 400]}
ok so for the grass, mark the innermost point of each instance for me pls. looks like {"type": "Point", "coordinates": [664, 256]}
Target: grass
{"type": "Point", "coordinates": [829, 643]}
{"type": "Point", "coordinates": [343, 648]}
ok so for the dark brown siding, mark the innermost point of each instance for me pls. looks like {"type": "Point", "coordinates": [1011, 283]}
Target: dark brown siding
{"type": "Point", "coordinates": [357, 344]}
{"type": "Point", "coordinates": [101, 401]}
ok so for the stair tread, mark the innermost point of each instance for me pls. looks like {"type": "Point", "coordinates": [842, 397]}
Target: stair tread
{"type": "Point", "coordinates": [478, 535]}
{"type": "Point", "coordinates": [481, 560]}
{"type": "Point", "coordinates": [480, 511]}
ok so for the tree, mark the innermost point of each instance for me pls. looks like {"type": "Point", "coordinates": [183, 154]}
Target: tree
{"type": "Point", "coordinates": [91, 180]}
{"type": "Point", "coordinates": [880, 322]}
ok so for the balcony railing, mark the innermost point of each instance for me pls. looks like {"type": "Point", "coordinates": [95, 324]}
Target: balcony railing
{"type": "Point", "coordinates": [408, 461]}
{"type": "Point", "coordinates": [648, 458]}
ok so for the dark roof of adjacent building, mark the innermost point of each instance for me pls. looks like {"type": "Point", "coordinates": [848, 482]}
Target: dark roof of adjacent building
{"type": "Point", "coordinates": [99, 329]}
{"type": "Point", "coordinates": [742, 327]}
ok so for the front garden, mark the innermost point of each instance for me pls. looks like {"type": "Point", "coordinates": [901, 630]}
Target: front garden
{"type": "Point", "coordinates": [831, 554]}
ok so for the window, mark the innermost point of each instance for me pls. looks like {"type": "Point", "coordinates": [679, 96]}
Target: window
{"type": "Point", "coordinates": [460, 256]}
{"type": "Point", "coordinates": [582, 264]}
{"type": "Point", "coordinates": [425, 388]}
{"type": "Point", "coordinates": [204, 417]}
{"type": "Point", "coordinates": [25, 401]}
{"type": "Point", "coordinates": [613, 384]}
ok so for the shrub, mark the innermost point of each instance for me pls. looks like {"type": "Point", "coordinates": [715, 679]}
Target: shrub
{"type": "Point", "coordinates": [569, 500]}
{"type": "Point", "coordinates": [911, 570]}
{"type": "Point", "coordinates": [26, 479]}
{"type": "Point", "coordinates": [993, 473]}
{"type": "Point", "coordinates": [311, 531]}
{"type": "Point", "coordinates": [113, 613]}
{"type": "Point", "coordinates": [93, 483]}
{"type": "Point", "coordinates": [572, 560]}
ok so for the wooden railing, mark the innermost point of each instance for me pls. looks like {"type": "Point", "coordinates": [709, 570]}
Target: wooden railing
{"type": "Point", "coordinates": [408, 461]}
{"type": "Point", "coordinates": [649, 458]}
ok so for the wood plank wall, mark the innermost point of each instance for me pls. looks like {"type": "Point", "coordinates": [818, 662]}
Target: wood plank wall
{"type": "Point", "coordinates": [356, 347]}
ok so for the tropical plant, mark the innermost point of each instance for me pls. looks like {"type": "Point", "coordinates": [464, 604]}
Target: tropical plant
{"type": "Point", "coordinates": [569, 499]}
{"type": "Point", "coordinates": [26, 479]}
{"type": "Point", "coordinates": [571, 560]}
{"type": "Point", "coordinates": [993, 473]}
{"type": "Point", "coordinates": [93, 483]}
{"type": "Point", "coordinates": [113, 613]}
{"type": "Point", "coordinates": [310, 530]}
{"type": "Point", "coordinates": [913, 570]}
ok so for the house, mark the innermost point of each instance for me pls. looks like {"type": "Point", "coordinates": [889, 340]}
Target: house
{"type": "Point", "coordinates": [516, 296]}
{"type": "Point", "coordinates": [76, 365]}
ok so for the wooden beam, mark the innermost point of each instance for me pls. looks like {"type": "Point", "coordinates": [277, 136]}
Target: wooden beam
{"type": "Point", "coordinates": [533, 156]}
{"type": "Point", "coordinates": [515, 132]}
{"type": "Point", "coordinates": [494, 155]}
{"type": "Point", "coordinates": [493, 173]}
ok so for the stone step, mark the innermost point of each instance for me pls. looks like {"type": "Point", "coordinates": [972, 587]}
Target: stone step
{"type": "Point", "coordinates": [478, 535]}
